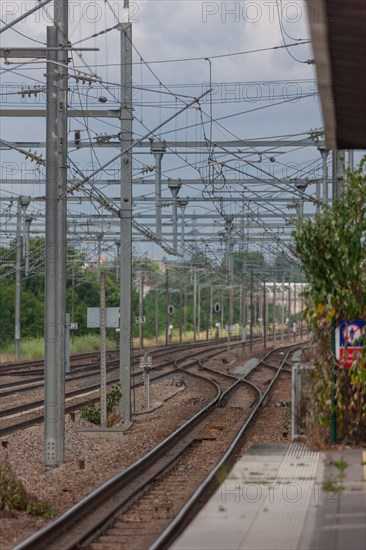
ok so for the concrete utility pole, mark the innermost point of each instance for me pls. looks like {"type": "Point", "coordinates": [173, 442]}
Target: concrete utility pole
{"type": "Point", "coordinates": [324, 154]}
{"type": "Point", "coordinates": [55, 285]}
{"type": "Point", "coordinates": [118, 248]}
{"type": "Point", "coordinates": [338, 173]}
{"type": "Point", "coordinates": [126, 216]}
{"type": "Point", "coordinates": [141, 308]}
{"type": "Point", "coordinates": [158, 149]}
{"type": "Point", "coordinates": [229, 245]}
{"type": "Point", "coordinates": [166, 306]}
{"type": "Point", "coordinates": [264, 314]}
{"type": "Point", "coordinates": [194, 304]}
{"type": "Point", "coordinates": [103, 353]}
{"type": "Point", "coordinates": [183, 205]}
{"type": "Point", "coordinates": [22, 204]}
{"type": "Point", "coordinates": [156, 315]}
{"type": "Point", "coordinates": [99, 253]}
{"type": "Point", "coordinates": [61, 23]}
{"type": "Point", "coordinates": [180, 311]}
{"type": "Point", "coordinates": [274, 312]}
{"type": "Point", "coordinates": [28, 221]}
{"type": "Point", "coordinates": [198, 310]}
{"type": "Point", "coordinates": [251, 311]}
{"type": "Point", "coordinates": [174, 188]}
{"type": "Point", "coordinates": [51, 409]}
{"type": "Point", "coordinates": [283, 307]}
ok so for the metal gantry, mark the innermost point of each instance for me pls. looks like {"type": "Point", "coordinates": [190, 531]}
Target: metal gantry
{"type": "Point", "coordinates": [223, 185]}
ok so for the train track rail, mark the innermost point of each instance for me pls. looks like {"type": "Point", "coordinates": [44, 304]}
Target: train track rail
{"type": "Point", "coordinates": [208, 441]}
{"type": "Point", "coordinates": [91, 392]}
{"type": "Point", "coordinates": [13, 387]}
{"type": "Point", "coordinates": [34, 367]}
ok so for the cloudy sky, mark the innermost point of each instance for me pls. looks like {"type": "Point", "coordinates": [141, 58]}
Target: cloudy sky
{"type": "Point", "coordinates": [178, 47]}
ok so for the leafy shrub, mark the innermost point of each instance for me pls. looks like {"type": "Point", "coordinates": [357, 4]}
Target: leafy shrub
{"type": "Point", "coordinates": [91, 411]}
{"type": "Point", "coordinates": [13, 495]}
{"type": "Point", "coordinates": [332, 251]}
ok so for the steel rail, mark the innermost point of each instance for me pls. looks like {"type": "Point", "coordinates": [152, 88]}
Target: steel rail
{"type": "Point", "coordinates": [95, 503]}
{"type": "Point", "coordinates": [101, 506]}
{"type": "Point", "coordinates": [36, 405]}
{"type": "Point", "coordinates": [186, 513]}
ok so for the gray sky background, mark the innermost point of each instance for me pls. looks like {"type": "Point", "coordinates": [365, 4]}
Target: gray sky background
{"type": "Point", "coordinates": [170, 31]}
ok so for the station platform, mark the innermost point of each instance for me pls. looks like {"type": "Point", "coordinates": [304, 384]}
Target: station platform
{"type": "Point", "coordinates": [285, 497]}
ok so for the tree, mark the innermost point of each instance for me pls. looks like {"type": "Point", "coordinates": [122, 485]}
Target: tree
{"type": "Point", "coordinates": [332, 250]}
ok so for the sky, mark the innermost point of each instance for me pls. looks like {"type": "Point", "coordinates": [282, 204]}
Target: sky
{"type": "Point", "coordinates": [180, 49]}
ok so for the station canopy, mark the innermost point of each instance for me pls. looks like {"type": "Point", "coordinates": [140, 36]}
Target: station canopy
{"type": "Point", "coordinates": [338, 31]}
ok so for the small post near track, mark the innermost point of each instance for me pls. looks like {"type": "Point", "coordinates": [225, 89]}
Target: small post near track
{"type": "Point", "coordinates": [146, 365]}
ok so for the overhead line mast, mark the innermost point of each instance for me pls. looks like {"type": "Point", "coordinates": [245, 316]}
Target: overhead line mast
{"type": "Point", "coordinates": [56, 190]}
{"type": "Point", "coordinates": [126, 214]}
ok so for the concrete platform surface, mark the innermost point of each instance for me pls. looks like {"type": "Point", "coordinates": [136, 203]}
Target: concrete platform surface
{"type": "Point", "coordinates": [285, 497]}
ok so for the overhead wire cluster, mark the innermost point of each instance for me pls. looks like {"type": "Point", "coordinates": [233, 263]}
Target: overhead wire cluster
{"type": "Point", "coordinates": [215, 176]}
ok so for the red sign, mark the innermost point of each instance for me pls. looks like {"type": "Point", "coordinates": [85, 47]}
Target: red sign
{"type": "Point", "coordinates": [349, 341]}
{"type": "Point", "coordinates": [348, 355]}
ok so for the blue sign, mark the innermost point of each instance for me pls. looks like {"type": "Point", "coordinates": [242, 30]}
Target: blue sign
{"type": "Point", "coordinates": [352, 333]}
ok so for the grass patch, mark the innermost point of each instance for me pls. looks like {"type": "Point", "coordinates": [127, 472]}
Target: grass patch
{"type": "Point", "coordinates": [13, 495]}
{"type": "Point", "coordinates": [331, 487]}
{"type": "Point", "coordinates": [340, 464]}
{"type": "Point", "coordinates": [34, 349]}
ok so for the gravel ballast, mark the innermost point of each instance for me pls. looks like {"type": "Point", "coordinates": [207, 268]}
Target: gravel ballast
{"type": "Point", "coordinates": [90, 461]}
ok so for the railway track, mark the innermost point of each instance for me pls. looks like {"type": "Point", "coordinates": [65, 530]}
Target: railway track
{"type": "Point", "coordinates": [36, 367]}
{"type": "Point", "coordinates": [14, 387]}
{"type": "Point", "coordinates": [75, 399]}
{"type": "Point", "coordinates": [150, 502]}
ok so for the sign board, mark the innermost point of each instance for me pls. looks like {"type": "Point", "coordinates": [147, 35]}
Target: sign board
{"type": "Point", "coordinates": [140, 319]}
{"type": "Point", "coordinates": [349, 339]}
{"type": "Point", "coordinates": [74, 326]}
{"type": "Point", "coordinates": [111, 317]}
{"type": "Point", "coordinates": [146, 362]}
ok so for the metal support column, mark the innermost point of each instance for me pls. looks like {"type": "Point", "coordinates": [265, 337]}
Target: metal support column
{"type": "Point", "coordinates": [51, 412]}
{"type": "Point", "coordinates": [231, 315]}
{"type": "Point", "coordinates": [183, 204]}
{"type": "Point", "coordinates": [166, 306]}
{"type": "Point", "coordinates": [211, 307]}
{"type": "Point", "coordinates": [251, 311]}
{"type": "Point", "coordinates": [126, 218]}
{"type": "Point", "coordinates": [18, 260]}
{"type": "Point", "coordinates": [118, 247]}
{"type": "Point", "coordinates": [61, 23]}
{"type": "Point", "coordinates": [141, 308]}
{"type": "Point", "coordinates": [324, 154]}
{"type": "Point", "coordinates": [158, 149]}
{"type": "Point", "coordinates": [28, 221]}
{"type": "Point", "coordinates": [274, 310]}
{"type": "Point", "coordinates": [198, 311]}
{"type": "Point", "coordinates": [156, 315]}
{"type": "Point", "coordinates": [174, 188]}
{"type": "Point", "coordinates": [194, 304]}
{"type": "Point", "coordinates": [103, 354]}
{"type": "Point", "coordinates": [180, 311]}
{"type": "Point", "coordinates": [283, 304]}
{"type": "Point", "coordinates": [264, 315]}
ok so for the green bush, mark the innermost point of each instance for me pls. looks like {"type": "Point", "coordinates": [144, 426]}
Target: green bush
{"type": "Point", "coordinates": [13, 495]}
{"type": "Point", "coordinates": [91, 411]}
{"type": "Point", "coordinates": [332, 251]}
